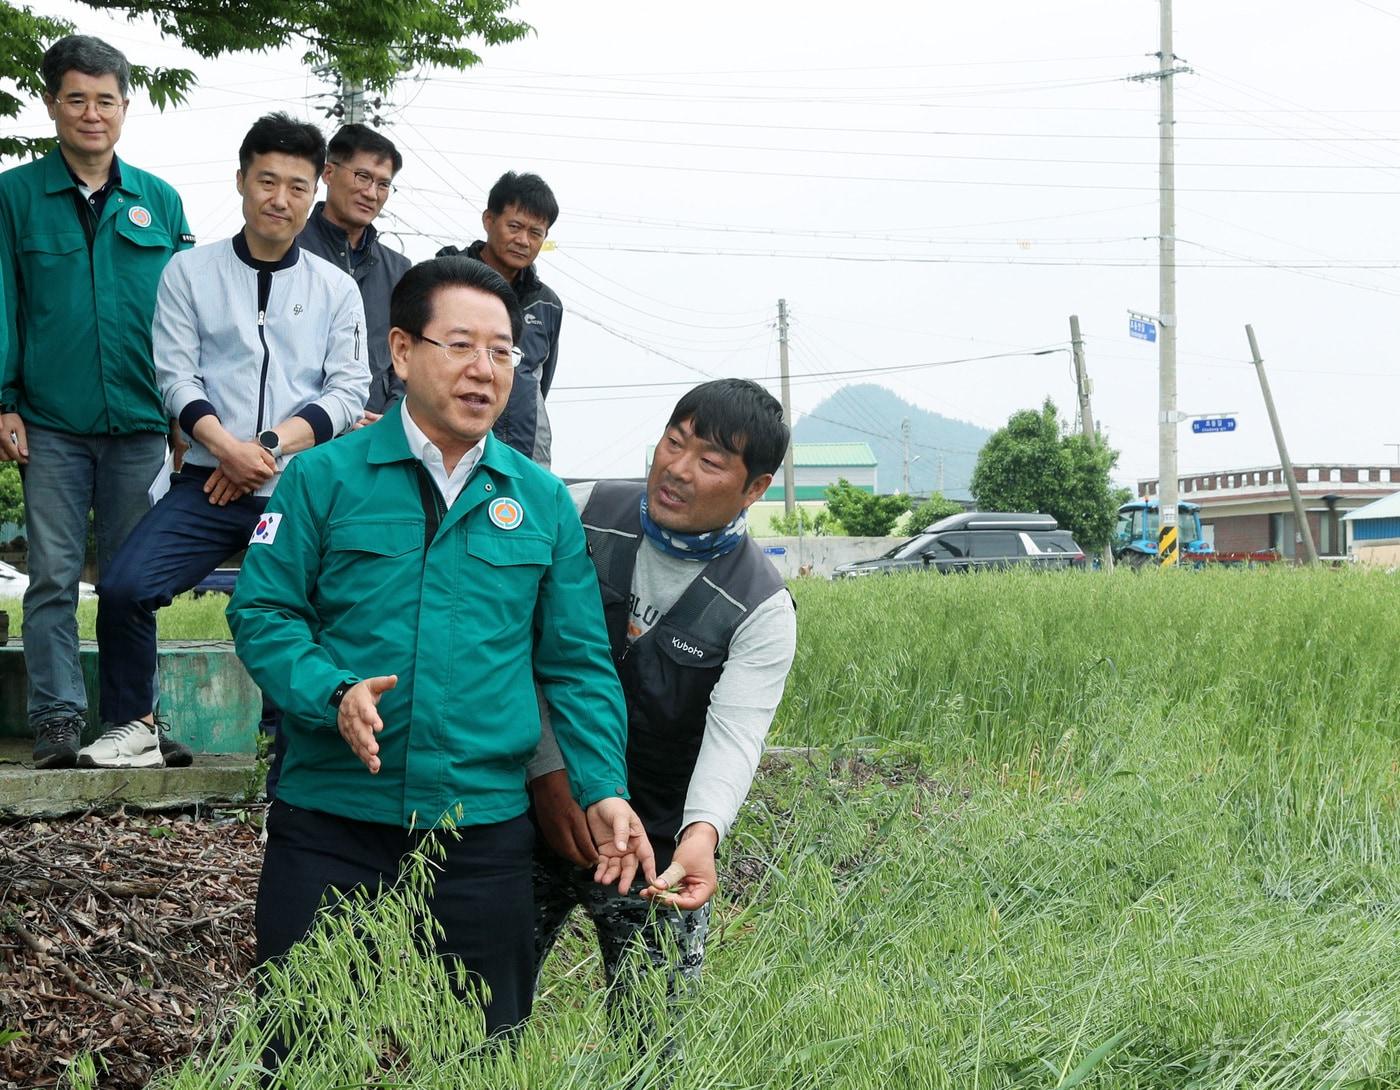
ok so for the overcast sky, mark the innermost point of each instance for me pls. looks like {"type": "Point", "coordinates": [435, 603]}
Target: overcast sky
{"type": "Point", "coordinates": [922, 181]}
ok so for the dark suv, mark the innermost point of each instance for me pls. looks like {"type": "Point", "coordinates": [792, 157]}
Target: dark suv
{"type": "Point", "coordinates": [977, 539]}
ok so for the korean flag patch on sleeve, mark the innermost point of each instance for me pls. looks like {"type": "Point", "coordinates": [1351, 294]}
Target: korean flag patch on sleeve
{"type": "Point", "coordinates": [265, 532]}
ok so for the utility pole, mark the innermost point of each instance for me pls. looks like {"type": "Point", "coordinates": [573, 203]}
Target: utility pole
{"type": "Point", "coordinates": [940, 474]}
{"type": "Point", "coordinates": [352, 101]}
{"type": "Point", "coordinates": [1309, 549]}
{"type": "Point", "coordinates": [904, 434]}
{"type": "Point", "coordinates": [1086, 414]}
{"type": "Point", "coordinates": [789, 487]}
{"type": "Point", "coordinates": [1166, 272]}
{"type": "Point", "coordinates": [1081, 380]}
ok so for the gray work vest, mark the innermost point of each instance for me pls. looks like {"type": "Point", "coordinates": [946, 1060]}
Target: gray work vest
{"type": "Point", "coordinates": [668, 672]}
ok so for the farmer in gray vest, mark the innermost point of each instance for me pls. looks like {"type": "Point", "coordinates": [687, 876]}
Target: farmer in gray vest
{"type": "Point", "coordinates": [703, 633]}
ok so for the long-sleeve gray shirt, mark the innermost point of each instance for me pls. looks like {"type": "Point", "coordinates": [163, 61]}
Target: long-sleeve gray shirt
{"type": "Point", "coordinates": [743, 701]}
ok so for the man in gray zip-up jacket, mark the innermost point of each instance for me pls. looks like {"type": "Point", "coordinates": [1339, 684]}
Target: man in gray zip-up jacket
{"type": "Point", "coordinates": [260, 353]}
{"type": "Point", "coordinates": [361, 165]}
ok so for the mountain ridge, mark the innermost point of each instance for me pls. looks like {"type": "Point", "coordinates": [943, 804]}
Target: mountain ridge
{"type": "Point", "coordinates": [870, 413]}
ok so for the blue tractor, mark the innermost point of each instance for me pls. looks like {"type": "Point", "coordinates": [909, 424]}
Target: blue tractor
{"type": "Point", "coordinates": [1139, 526]}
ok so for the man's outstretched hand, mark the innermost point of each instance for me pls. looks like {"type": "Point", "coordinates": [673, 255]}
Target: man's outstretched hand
{"type": "Point", "coordinates": [621, 842]}
{"type": "Point", "coordinates": [359, 720]}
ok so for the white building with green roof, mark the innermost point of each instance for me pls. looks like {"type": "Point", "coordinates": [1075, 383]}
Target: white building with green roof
{"type": "Point", "coordinates": [816, 465]}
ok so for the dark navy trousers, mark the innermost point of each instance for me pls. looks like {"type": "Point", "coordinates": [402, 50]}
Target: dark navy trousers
{"type": "Point", "coordinates": [179, 541]}
{"type": "Point", "coordinates": [482, 896]}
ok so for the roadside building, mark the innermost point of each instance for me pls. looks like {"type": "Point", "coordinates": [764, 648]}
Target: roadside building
{"type": "Point", "coordinates": [1249, 510]}
{"type": "Point", "coordinates": [1373, 532]}
{"type": "Point", "coordinates": [816, 465]}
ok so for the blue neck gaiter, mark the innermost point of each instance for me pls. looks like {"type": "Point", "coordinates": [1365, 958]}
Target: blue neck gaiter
{"type": "Point", "coordinates": [706, 546]}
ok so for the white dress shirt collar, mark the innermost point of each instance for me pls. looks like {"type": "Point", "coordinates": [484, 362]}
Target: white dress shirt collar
{"type": "Point", "coordinates": [426, 451]}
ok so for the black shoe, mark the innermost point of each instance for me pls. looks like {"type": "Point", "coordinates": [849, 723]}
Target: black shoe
{"type": "Point", "coordinates": [176, 754]}
{"type": "Point", "coordinates": [56, 741]}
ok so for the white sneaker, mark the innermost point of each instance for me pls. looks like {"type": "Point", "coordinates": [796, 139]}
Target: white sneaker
{"type": "Point", "coordinates": [126, 745]}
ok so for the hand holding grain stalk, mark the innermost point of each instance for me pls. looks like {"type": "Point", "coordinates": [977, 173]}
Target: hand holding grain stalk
{"type": "Point", "coordinates": [690, 880]}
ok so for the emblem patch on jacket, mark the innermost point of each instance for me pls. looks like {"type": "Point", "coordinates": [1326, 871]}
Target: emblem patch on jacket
{"type": "Point", "coordinates": [505, 513]}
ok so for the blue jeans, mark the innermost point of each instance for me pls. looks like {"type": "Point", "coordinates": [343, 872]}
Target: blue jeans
{"type": "Point", "coordinates": [181, 540]}
{"type": "Point", "coordinates": [68, 476]}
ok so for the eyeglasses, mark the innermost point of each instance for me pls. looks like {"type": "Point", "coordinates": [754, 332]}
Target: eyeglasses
{"type": "Point", "coordinates": [78, 105]}
{"type": "Point", "coordinates": [466, 352]}
{"type": "Point", "coordinates": [365, 180]}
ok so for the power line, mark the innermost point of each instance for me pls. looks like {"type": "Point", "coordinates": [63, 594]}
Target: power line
{"type": "Point", "coordinates": [796, 96]}
{"type": "Point", "coordinates": [825, 69]}
{"type": "Point", "coordinates": [652, 313]}
{"type": "Point", "coordinates": [1240, 262]}
{"type": "Point", "coordinates": [925, 132]}
{"type": "Point", "coordinates": [976, 182]}
{"type": "Point", "coordinates": [941, 156]}
{"type": "Point", "coordinates": [877, 233]}
{"type": "Point", "coordinates": [654, 299]}
{"type": "Point", "coordinates": [889, 369]}
{"type": "Point", "coordinates": [1377, 7]}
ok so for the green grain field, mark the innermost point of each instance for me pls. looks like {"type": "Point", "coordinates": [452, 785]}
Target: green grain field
{"type": "Point", "coordinates": [1026, 831]}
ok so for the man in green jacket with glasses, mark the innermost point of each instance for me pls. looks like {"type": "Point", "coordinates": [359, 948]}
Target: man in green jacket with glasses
{"type": "Point", "coordinates": [84, 238]}
{"type": "Point", "coordinates": [402, 593]}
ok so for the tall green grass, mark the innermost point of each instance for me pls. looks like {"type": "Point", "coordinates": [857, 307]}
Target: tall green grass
{"type": "Point", "coordinates": [187, 618]}
{"type": "Point", "coordinates": [1109, 831]}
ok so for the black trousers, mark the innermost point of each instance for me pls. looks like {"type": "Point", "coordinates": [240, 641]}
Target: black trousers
{"type": "Point", "coordinates": [482, 898]}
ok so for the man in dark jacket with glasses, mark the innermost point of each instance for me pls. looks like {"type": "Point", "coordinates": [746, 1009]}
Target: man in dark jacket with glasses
{"type": "Point", "coordinates": [361, 165]}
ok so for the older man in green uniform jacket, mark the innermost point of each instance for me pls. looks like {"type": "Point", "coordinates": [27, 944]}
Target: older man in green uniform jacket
{"type": "Point", "coordinates": [405, 589]}
{"type": "Point", "coordinates": [84, 238]}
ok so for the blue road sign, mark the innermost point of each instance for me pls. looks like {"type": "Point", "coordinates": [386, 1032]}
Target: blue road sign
{"type": "Point", "coordinates": [1213, 424]}
{"type": "Point", "coordinates": [774, 550]}
{"type": "Point", "coordinates": [1142, 328]}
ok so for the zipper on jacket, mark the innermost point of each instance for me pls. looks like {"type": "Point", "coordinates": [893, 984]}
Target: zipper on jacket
{"type": "Point", "coordinates": [433, 507]}
{"type": "Point", "coordinates": [264, 291]}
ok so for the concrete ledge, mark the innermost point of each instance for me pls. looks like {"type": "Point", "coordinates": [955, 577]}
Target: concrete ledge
{"type": "Point", "coordinates": [29, 792]}
{"type": "Point", "coordinates": [209, 699]}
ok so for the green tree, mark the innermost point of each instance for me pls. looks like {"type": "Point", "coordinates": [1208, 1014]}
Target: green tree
{"type": "Point", "coordinates": [368, 42]}
{"type": "Point", "coordinates": [861, 513]}
{"type": "Point", "coordinates": [11, 495]}
{"type": "Point", "coordinates": [1030, 465]}
{"type": "Point", "coordinates": [802, 521]}
{"type": "Point", "coordinates": [937, 506]}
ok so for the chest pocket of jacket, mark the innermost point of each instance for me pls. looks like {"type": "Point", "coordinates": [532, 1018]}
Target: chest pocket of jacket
{"type": "Point", "coordinates": [376, 564]}
{"type": "Point", "coordinates": [58, 282]}
{"type": "Point", "coordinates": [505, 569]}
{"type": "Point", "coordinates": [52, 244]}
{"type": "Point", "coordinates": [144, 252]}
{"type": "Point", "coordinates": [147, 238]}
{"type": "Point", "coordinates": [508, 550]}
